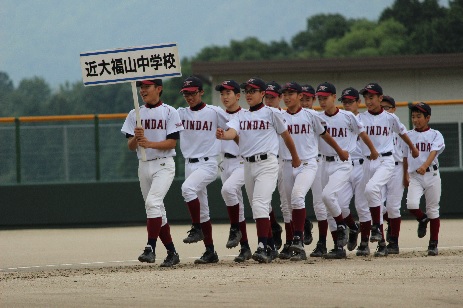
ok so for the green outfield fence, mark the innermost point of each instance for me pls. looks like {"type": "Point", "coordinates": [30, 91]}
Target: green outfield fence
{"type": "Point", "coordinates": [91, 148]}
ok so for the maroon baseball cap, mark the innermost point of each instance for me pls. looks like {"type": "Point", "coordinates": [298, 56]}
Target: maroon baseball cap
{"type": "Point", "coordinates": [389, 99]}
{"type": "Point", "coordinates": [255, 83]}
{"type": "Point", "coordinates": [349, 93]}
{"type": "Point", "coordinates": [228, 85]}
{"type": "Point", "coordinates": [157, 82]}
{"type": "Point", "coordinates": [325, 89]}
{"type": "Point", "coordinates": [308, 90]}
{"type": "Point", "coordinates": [192, 84]}
{"type": "Point", "coordinates": [273, 89]}
{"type": "Point", "coordinates": [372, 88]}
{"type": "Point", "coordinates": [422, 107]}
{"type": "Point", "coordinates": [292, 86]}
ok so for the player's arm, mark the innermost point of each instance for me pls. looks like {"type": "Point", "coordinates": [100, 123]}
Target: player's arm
{"type": "Point", "coordinates": [237, 139]}
{"type": "Point", "coordinates": [406, 139]}
{"type": "Point", "coordinates": [373, 153]}
{"type": "Point", "coordinates": [406, 179]}
{"type": "Point", "coordinates": [422, 169]}
{"type": "Point", "coordinates": [343, 155]}
{"type": "Point", "coordinates": [228, 134]}
{"type": "Point", "coordinates": [296, 162]}
{"type": "Point", "coordinates": [167, 144]}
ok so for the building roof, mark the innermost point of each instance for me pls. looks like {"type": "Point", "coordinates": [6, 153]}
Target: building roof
{"type": "Point", "coordinates": [329, 64]}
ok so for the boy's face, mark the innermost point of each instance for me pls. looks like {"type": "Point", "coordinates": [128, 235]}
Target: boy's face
{"type": "Point", "coordinates": [419, 120]}
{"type": "Point", "coordinates": [272, 101]}
{"type": "Point", "coordinates": [307, 101]}
{"type": "Point", "coordinates": [193, 98]}
{"type": "Point", "coordinates": [229, 98]}
{"type": "Point", "coordinates": [292, 100]}
{"type": "Point", "coordinates": [326, 102]}
{"type": "Point", "coordinates": [351, 105]}
{"type": "Point", "coordinates": [388, 107]}
{"type": "Point", "coordinates": [253, 96]}
{"type": "Point", "coordinates": [150, 93]}
{"type": "Point", "coordinates": [373, 101]}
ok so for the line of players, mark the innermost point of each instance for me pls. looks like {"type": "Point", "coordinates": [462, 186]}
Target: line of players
{"type": "Point", "coordinates": [337, 153]}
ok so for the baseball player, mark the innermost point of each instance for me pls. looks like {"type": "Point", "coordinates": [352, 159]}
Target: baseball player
{"type": "Point", "coordinates": [258, 130]}
{"type": "Point", "coordinates": [350, 99]}
{"type": "Point", "coordinates": [379, 125]}
{"type": "Point", "coordinates": [272, 98]}
{"type": "Point", "coordinates": [344, 127]}
{"type": "Point", "coordinates": [304, 126]}
{"type": "Point", "coordinates": [232, 174]}
{"type": "Point", "coordinates": [158, 134]}
{"type": "Point", "coordinates": [200, 149]}
{"type": "Point", "coordinates": [394, 189]}
{"type": "Point", "coordinates": [307, 101]}
{"type": "Point", "coordinates": [423, 174]}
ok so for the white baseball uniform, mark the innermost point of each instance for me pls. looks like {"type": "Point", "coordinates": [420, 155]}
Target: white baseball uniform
{"type": "Point", "coordinates": [200, 148]}
{"type": "Point", "coordinates": [157, 172]}
{"type": "Point", "coordinates": [379, 127]}
{"type": "Point", "coordinates": [304, 127]}
{"type": "Point", "coordinates": [344, 127]}
{"type": "Point", "coordinates": [232, 173]}
{"type": "Point", "coordinates": [429, 183]}
{"type": "Point", "coordinates": [258, 131]}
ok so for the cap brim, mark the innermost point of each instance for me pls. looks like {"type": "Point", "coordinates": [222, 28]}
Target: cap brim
{"type": "Point", "coordinates": [348, 97]}
{"type": "Point", "coordinates": [420, 109]}
{"type": "Point", "coordinates": [244, 85]}
{"type": "Point", "coordinates": [308, 94]}
{"type": "Point", "coordinates": [363, 91]}
{"type": "Point", "coordinates": [273, 93]}
{"type": "Point", "coordinates": [190, 89]}
{"type": "Point", "coordinates": [323, 94]}
{"type": "Point", "coordinates": [221, 87]}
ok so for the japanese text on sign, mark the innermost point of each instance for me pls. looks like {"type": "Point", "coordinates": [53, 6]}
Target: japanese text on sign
{"type": "Point", "coordinates": [130, 64]}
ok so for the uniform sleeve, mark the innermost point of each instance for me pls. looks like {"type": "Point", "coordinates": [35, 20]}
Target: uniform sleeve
{"type": "Point", "coordinates": [278, 121]}
{"type": "Point", "coordinates": [129, 124]}
{"type": "Point", "coordinates": [222, 117]}
{"type": "Point", "coordinates": [174, 124]}
{"type": "Point", "coordinates": [405, 148]}
{"type": "Point", "coordinates": [235, 124]}
{"type": "Point", "coordinates": [438, 143]}
{"type": "Point", "coordinates": [319, 124]}
{"type": "Point", "coordinates": [397, 126]}
{"type": "Point", "coordinates": [356, 125]}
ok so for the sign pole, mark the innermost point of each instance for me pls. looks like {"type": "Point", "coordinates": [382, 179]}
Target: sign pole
{"type": "Point", "coordinates": [137, 113]}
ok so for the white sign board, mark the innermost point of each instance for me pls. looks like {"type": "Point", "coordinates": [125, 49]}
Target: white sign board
{"type": "Point", "coordinates": [130, 64]}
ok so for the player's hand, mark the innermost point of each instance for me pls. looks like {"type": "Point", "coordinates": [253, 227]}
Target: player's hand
{"type": "Point", "coordinates": [415, 152]}
{"type": "Point", "coordinates": [406, 179]}
{"type": "Point", "coordinates": [219, 133]}
{"type": "Point", "coordinates": [139, 132]}
{"type": "Point", "coordinates": [143, 142]}
{"type": "Point", "coordinates": [344, 155]}
{"type": "Point", "coordinates": [374, 155]}
{"type": "Point", "coordinates": [421, 170]}
{"type": "Point", "coordinates": [296, 162]}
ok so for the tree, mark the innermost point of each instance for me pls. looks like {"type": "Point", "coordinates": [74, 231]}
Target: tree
{"type": "Point", "coordinates": [30, 97]}
{"type": "Point", "coordinates": [367, 38]}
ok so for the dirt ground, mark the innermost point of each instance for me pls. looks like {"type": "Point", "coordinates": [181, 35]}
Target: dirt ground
{"type": "Point", "coordinates": [96, 267]}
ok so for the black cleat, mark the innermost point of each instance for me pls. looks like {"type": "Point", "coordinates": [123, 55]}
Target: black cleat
{"type": "Point", "coordinates": [341, 235]}
{"type": "Point", "coordinates": [353, 237]}
{"type": "Point", "coordinates": [319, 250]}
{"type": "Point", "coordinates": [381, 250]}
{"type": "Point", "coordinates": [261, 256]}
{"type": "Point", "coordinates": [297, 245]}
{"type": "Point", "coordinates": [171, 259]}
{"type": "Point", "coordinates": [422, 226]}
{"type": "Point", "coordinates": [285, 254]}
{"type": "Point", "coordinates": [376, 235]}
{"type": "Point", "coordinates": [148, 255]}
{"type": "Point", "coordinates": [194, 235]}
{"type": "Point", "coordinates": [272, 254]}
{"type": "Point", "coordinates": [335, 253]}
{"type": "Point", "coordinates": [209, 256]}
{"type": "Point", "coordinates": [432, 248]}
{"type": "Point", "coordinates": [392, 248]}
{"type": "Point", "coordinates": [298, 256]}
{"type": "Point", "coordinates": [308, 226]}
{"type": "Point", "coordinates": [233, 238]}
{"type": "Point", "coordinates": [276, 234]}
{"type": "Point", "coordinates": [245, 254]}
{"type": "Point", "coordinates": [363, 249]}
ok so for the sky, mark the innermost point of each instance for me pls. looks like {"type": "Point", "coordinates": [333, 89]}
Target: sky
{"type": "Point", "coordinates": [45, 38]}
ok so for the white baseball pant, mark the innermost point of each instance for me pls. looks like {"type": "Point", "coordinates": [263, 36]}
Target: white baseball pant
{"type": "Point", "coordinates": [430, 185]}
{"type": "Point", "coordinates": [156, 177]}
{"type": "Point", "coordinates": [284, 204]}
{"type": "Point", "coordinates": [197, 177]}
{"type": "Point", "coordinates": [232, 175]}
{"type": "Point", "coordinates": [260, 180]}
{"type": "Point", "coordinates": [297, 181]}
{"type": "Point", "coordinates": [394, 191]}
{"type": "Point", "coordinates": [319, 207]}
{"type": "Point", "coordinates": [335, 178]}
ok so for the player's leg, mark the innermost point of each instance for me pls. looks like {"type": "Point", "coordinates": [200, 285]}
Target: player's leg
{"type": "Point", "coordinates": [166, 238]}
{"type": "Point", "coordinates": [395, 190]}
{"type": "Point", "coordinates": [320, 213]}
{"type": "Point", "coordinates": [287, 183]}
{"type": "Point", "coordinates": [414, 193]}
{"type": "Point", "coordinates": [155, 180]}
{"type": "Point", "coordinates": [432, 193]}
